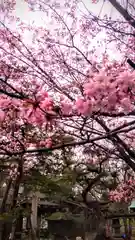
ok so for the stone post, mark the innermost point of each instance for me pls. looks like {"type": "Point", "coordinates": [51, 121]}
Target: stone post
{"type": "Point", "coordinates": [34, 209]}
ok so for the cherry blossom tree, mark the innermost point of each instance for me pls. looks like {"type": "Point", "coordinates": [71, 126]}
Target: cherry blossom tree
{"type": "Point", "coordinates": [92, 112]}
{"type": "Point", "coordinates": [119, 25]}
{"type": "Point", "coordinates": [57, 92]}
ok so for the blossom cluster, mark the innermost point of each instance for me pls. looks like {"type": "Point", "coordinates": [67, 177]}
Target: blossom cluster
{"type": "Point", "coordinates": [125, 192]}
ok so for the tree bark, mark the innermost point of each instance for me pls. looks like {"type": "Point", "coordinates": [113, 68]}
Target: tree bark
{"type": "Point", "coordinates": [4, 226]}
{"type": "Point", "coordinates": [15, 194]}
{"type": "Point", "coordinates": [34, 209]}
{"type": "Point", "coordinates": [4, 201]}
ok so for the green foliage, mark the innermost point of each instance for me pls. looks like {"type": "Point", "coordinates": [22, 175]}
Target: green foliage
{"type": "Point", "coordinates": [14, 214]}
{"type": "Point", "coordinates": [67, 216]}
{"type": "Point", "coordinates": [55, 187]}
{"type": "Point", "coordinates": [6, 216]}
{"type": "Point", "coordinates": [57, 216]}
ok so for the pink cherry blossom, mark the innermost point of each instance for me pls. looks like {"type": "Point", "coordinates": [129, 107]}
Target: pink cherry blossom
{"type": "Point", "coordinates": [89, 89]}
{"type": "Point", "coordinates": [36, 116]}
{"type": "Point", "coordinates": [33, 115]}
{"type": "Point", "coordinates": [84, 106]}
{"type": "Point", "coordinates": [48, 142]}
{"type": "Point", "coordinates": [66, 107]}
{"type": "Point", "coordinates": [46, 104]}
{"type": "Point", "coordinates": [92, 161]}
{"type": "Point", "coordinates": [42, 95]}
{"type": "Point", "coordinates": [126, 104]}
{"type": "Point", "coordinates": [4, 102]}
{"type": "Point", "coordinates": [124, 192]}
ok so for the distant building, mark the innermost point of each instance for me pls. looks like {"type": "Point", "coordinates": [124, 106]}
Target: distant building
{"type": "Point", "coordinates": [132, 206]}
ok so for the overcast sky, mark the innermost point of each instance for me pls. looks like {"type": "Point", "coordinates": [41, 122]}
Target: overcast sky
{"type": "Point", "coordinates": [101, 8]}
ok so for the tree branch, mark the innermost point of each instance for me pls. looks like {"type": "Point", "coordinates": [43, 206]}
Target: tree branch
{"type": "Point", "coordinates": [123, 12]}
{"type": "Point", "coordinates": [90, 185]}
{"type": "Point", "coordinates": [121, 146]}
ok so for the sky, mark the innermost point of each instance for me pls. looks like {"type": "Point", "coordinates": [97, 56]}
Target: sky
{"type": "Point", "coordinates": [106, 8]}
{"type": "Point", "coordinates": [37, 18]}
{"type": "Point", "coordinates": [99, 9]}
